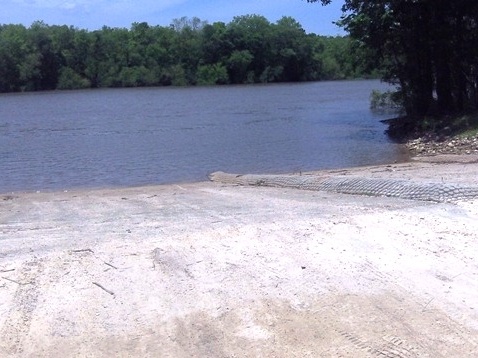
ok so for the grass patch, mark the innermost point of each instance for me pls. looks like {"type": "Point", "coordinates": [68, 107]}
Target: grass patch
{"type": "Point", "coordinates": [465, 125]}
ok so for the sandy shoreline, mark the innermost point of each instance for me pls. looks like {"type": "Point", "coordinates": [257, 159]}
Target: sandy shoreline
{"type": "Point", "coordinates": [205, 269]}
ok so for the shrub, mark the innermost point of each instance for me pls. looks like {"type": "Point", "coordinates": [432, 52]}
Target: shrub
{"type": "Point", "coordinates": [69, 80]}
{"type": "Point", "coordinates": [212, 74]}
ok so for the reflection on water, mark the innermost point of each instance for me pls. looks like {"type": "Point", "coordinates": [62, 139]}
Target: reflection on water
{"type": "Point", "coordinates": [123, 137]}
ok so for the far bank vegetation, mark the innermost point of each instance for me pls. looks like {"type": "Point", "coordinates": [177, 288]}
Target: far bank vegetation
{"type": "Point", "coordinates": [249, 49]}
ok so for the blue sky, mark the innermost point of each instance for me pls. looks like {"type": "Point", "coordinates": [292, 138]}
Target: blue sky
{"type": "Point", "coordinates": [93, 14]}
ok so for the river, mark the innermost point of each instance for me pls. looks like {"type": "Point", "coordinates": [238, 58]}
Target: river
{"type": "Point", "coordinates": [127, 137]}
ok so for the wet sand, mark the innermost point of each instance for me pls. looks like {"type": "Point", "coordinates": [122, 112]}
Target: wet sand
{"type": "Point", "coordinates": [212, 270]}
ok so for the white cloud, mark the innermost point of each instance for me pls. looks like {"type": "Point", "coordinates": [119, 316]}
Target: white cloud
{"type": "Point", "coordinates": [56, 4]}
{"type": "Point", "coordinates": [100, 4]}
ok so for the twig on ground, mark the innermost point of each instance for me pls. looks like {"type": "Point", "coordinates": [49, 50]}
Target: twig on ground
{"type": "Point", "coordinates": [194, 263]}
{"type": "Point", "coordinates": [18, 283]}
{"type": "Point", "coordinates": [83, 250]}
{"type": "Point", "coordinates": [4, 271]}
{"type": "Point", "coordinates": [110, 265]}
{"type": "Point", "coordinates": [424, 308]}
{"type": "Point", "coordinates": [104, 289]}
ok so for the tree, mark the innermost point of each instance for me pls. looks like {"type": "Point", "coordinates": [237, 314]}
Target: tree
{"type": "Point", "coordinates": [216, 45]}
{"type": "Point", "coordinates": [186, 46]}
{"type": "Point", "coordinates": [13, 53]}
{"type": "Point", "coordinates": [238, 64]}
{"type": "Point", "coordinates": [427, 47]}
{"type": "Point", "coordinates": [46, 63]}
{"type": "Point", "coordinates": [291, 50]}
{"type": "Point", "coordinates": [249, 49]}
{"type": "Point", "coordinates": [251, 33]}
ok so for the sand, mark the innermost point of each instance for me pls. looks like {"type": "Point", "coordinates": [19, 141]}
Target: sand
{"type": "Point", "coordinates": [210, 270]}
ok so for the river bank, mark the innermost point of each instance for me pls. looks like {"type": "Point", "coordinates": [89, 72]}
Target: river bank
{"type": "Point", "coordinates": [457, 135]}
{"type": "Point", "coordinates": [206, 269]}
{"type": "Point", "coordinates": [433, 144]}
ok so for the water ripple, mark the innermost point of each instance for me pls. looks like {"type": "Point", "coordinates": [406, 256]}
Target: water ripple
{"type": "Point", "coordinates": [101, 138]}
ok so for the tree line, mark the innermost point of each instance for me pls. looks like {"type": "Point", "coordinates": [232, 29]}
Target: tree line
{"type": "Point", "coordinates": [429, 48]}
{"type": "Point", "coordinates": [249, 49]}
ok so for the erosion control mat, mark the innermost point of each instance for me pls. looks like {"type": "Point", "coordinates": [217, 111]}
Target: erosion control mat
{"type": "Point", "coordinates": [404, 189]}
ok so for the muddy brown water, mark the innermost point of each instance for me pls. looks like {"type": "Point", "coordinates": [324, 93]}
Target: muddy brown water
{"type": "Point", "coordinates": [129, 137]}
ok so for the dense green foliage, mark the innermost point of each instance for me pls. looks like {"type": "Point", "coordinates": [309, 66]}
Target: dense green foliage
{"type": "Point", "coordinates": [429, 48]}
{"type": "Point", "coordinates": [249, 49]}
